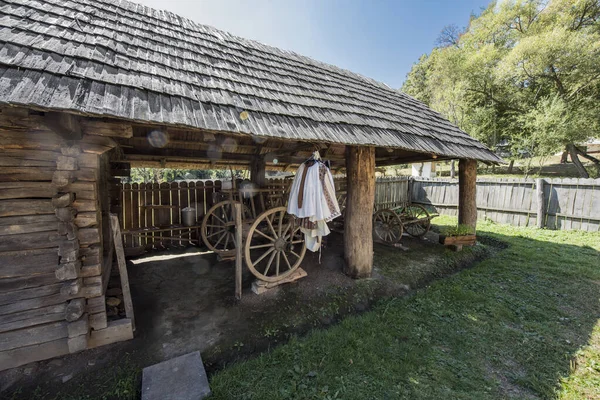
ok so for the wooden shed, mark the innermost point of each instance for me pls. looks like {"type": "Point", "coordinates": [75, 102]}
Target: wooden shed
{"type": "Point", "coordinates": [84, 84]}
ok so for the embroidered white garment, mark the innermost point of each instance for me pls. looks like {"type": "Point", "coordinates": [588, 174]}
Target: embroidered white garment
{"type": "Point", "coordinates": [312, 199]}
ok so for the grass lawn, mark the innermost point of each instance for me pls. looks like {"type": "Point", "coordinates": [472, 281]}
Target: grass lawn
{"type": "Point", "coordinates": [523, 324]}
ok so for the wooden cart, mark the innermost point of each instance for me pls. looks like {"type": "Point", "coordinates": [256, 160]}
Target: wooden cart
{"type": "Point", "coordinates": [273, 246]}
{"type": "Point", "coordinates": [389, 224]}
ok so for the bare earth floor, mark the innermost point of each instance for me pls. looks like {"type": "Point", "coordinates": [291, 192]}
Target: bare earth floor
{"type": "Point", "coordinates": [183, 301]}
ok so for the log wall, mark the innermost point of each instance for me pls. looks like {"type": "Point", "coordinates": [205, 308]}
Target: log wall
{"type": "Point", "coordinates": [51, 229]}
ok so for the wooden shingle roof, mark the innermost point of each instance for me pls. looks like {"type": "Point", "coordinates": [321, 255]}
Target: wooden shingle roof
{"type": "Point", "coordinates": [124, 60]}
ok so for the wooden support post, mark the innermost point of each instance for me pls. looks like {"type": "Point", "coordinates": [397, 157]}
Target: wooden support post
{"type": "Point", "coordinates": [118, 241]}
{"type": "Point", "coordinates": [238, 251]}
{"type": "Point", "coordinates": [541, 214]}
{"type": "Point", "coordinates": [358, 231]}
{"type": "Point", "coordinates": [467, 189]}
{"type": "Point", "coordinates": [257, 171]}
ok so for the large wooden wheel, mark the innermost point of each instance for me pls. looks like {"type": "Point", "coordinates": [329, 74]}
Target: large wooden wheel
{"type": "Point", "coordinates": [218, 226]}
{"type": "Point", "coordinates": [275, 246]}
{"type": "Point", "coordinates": [387, 226]}
{"type": "Point", "coordinates": [416, 220]}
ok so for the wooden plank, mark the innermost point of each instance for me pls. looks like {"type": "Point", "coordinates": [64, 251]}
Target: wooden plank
{"type": "Point", "coordinates": [96, 304]}
{"type": "Point", "coordinates": [128, 211]}
{"type": "Point", "coordinates": [86, 174]}
{"type": "Point", "coordinates": [175, 216]}
{"type": "Point", "coordinates": [29, 140]}
{"type": "Point", "coordinates": [7, 161]}
{"type": "Point", "coordinates": [97, 144]}
{"type": "Point", "coordinates": [33, 303]}
{"type": "Point", "coordinates": [23, 282]}
{"type": "Point", "coordinates": [28, 228]}
{"type": "Point", "coordinates": [87, 160]}
{"type": "Point", "coordinates": [98, 321]}
{"type": "Point", "coordinates": [49, 314]}
{"type": "Point", "coordinates": [26, 241]}
{"type": "Point", "coordinates": [135, 213]}
{"type": "Point", "coordinates": [12, 174]}
{"type": "Point", "coordinates": [90, 255]}
{"type": "Point", "coordinates": [86, 219]}
{"type": "Point", "coordinates": [33, 335]}
{"type": "Point", "coordinates": [85, 205]}
{"type": "Point", "coordinates": [31, 315]}
{"type": "Point", "coordinates": [29, 154]}
{"type": "Point", "coordinates": [8, 297]}
{"type": "Point", "coordinates": [118, 242]}
{"type": "Point", "coordinates": [88, 271]}
{"type": "Point", "coordinates": [107, 128]}
{"type": "Point", "coordinates": [9, 208]}
{"type": "Point", "coordinates": [88, 236]}
{"type": "Point", "coordinates": [25, 355]}
{"type": "Point", "coordinates": [117, 331]}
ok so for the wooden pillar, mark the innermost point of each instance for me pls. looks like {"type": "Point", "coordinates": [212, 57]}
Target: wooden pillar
{"type": "Point", "coordinates": [358, 232]}
{"type": "Point", "coordinates": [238, 250]}
{"type": "Point", "coordinates": [467, 204]}
{"type": "Point", "coordinates": [257, 171]}
{"type": "Point", "coordinates": [539, 189]}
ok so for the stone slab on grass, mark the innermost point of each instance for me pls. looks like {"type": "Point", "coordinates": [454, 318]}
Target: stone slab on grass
{"type": "Point", "coordinates": [180, 378]}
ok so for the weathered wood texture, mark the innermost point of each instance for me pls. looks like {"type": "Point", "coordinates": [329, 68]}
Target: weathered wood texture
{"type": "Point", "coordinates": [49, 238]}
{"type": "Point", "coordinates": [358, 246]}
{"type": "Point", "coordinates": [570, 204]}
{"type": "Point", "coordinates": [467, 193]}
{"type": "Point", "coordinates": [140, 223]}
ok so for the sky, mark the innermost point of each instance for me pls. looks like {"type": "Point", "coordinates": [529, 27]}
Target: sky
{"type": "Point", "coordinates": [380, 39]}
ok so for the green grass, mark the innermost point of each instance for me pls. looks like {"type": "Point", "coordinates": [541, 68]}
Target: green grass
{"type": "Point", "coordinates": [522, 324]}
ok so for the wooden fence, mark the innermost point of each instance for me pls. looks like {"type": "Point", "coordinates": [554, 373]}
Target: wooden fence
{"type": "Point", "coordinates": [151, 212]}
{"type": "Point", "coordinates": [565, 203]}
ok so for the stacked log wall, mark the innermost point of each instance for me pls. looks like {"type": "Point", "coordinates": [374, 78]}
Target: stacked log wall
{"type": "Point", "coordinates": [51, 240]}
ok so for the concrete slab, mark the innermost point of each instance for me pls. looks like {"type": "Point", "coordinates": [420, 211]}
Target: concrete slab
{"type": "Point", "coordinates": [180, 378]}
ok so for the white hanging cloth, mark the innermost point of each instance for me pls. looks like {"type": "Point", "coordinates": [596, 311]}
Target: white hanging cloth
{"type": "Point", "coordinates": [312, 199]}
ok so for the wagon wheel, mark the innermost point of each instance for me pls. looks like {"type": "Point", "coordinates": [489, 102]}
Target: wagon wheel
{"type": "Point", "coordinates": [218, 226]}
{"type": "Point", "coordinates": [416, 220]}
{"type": "Point", "coordinates": [387, 226]}
{"type": "Point", "coordinates": [272, 250]}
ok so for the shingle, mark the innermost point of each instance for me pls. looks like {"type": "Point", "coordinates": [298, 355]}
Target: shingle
{"type": "Point", "coordinates": [125, 60]}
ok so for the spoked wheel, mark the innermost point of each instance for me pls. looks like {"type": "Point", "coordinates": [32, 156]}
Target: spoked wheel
{"type": "Point", "coordinates": [387, 226]}
{"type": "Point", "coordinates": [218, 226]}
{"type": "Point", "coordinates": [416, 220]}
{"type": "Point", "coordinates": [275, 246]}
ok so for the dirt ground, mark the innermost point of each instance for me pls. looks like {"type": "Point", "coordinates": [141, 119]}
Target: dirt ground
{"type": "Point", "coordinates": [183, 301]}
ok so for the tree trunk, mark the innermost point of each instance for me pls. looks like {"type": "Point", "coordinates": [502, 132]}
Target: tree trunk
{"type": "Point", "coordinates": [511, 164]}
{"type": "Point", "coordinates": [358, 232]}
{"type": "Point", "coordinates": [452, 170]}
{"type": "Point", "coordinates": [575, 158]}
{"type": "Point", "coordinates": [467, 205]}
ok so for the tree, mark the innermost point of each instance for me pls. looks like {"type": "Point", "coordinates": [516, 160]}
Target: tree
{"type": "Point", "coordinates": [526, 72]}
{"type": "Point", "coordinates": [449, 36]}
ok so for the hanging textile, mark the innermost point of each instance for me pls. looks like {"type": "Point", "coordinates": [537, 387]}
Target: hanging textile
{"type": "Point", "coordinates": [312, 200]}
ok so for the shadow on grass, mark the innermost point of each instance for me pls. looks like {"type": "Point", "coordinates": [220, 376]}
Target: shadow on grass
{"type": "Point", "coordinates": [507, 328]}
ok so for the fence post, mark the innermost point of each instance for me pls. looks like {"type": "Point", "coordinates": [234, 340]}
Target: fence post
{"type": "Point", "coordinates": [409, 190]}
{"type": "Point", "coordinates": [539, 188]}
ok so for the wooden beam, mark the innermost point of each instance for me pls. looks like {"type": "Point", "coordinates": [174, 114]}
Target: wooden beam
{"type": "Point", "coordinates": [467, 191]}
{"type": "Point", "coordinates": [64, 125]}
{"type": "Point", "coordinates": [358, 230]}
{"type": "Point", "coordinates": [257, 171]}
{"type": "Point", "coordinates": [238, 251]}
{"type": "Point", "coordinates": [107, 128]}
{"type": "Point", "coordinates": [118, 241]}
